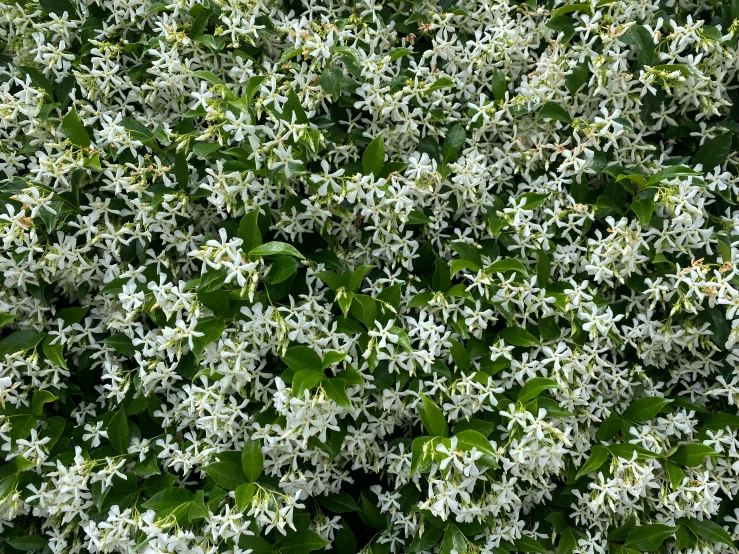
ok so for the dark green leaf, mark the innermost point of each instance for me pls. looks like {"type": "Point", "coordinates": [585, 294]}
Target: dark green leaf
{"type": "Point", "coordinates": [281, 269]}
{"type": "Point", "coordinates": [336, 390]}
{"type": "Point", "coordinates": [498, 84]}
{"type": "Point", "coordinates": [527, 544]}
{"type": "Point", "coordinates": [339, 503]}
{"type": "Point", "coordinates": [302, 357]}
{"type": "Point", "coordinates": [252, 460]}
{"type": "Point", "coordinates": [275, 249]}
{"type": "Point", "coordinates": [74, 130]}
{"type": "Point", "coordinates": [518, 337]}
{"type": "Point", "coordinates": [118, 432]}
{"type": "Point", "coordinates": [28, 543]}
{"type": "Point", "coordinates": [249, 231]}
{"type": "Point", "coordinates": [19, 341]}
{"type": "Point", "coordinates": [432, 417]}
{"type": "Point", "coordinates": [331, 82]}
{"type": "Point", "coordinates": [714, 152]}
{"type": "Point", "coordinates": [305, 380]}
{"type": "Point", "coordinates": [708, 531]}
{"type": "Point", "coordinates": [453, 143]}
{"type": "Point", "coordinates": [226, 474]}
{"type": "Point", "coordinates": [644, 409]}
{"type": "Point", "coordinates": [552, 110]}
{"type": "Point", "coordinates": [534, 387]}
{"type": "Point", "coordinates": [453, 540]}
{"type": "Point", "coordinates": [212, 329]}
{"type": "Point", "coordinates": [598, 456]}
{"type": "Point", "coordinates": [468, 439]}
{"type": "Point", "coordinates": [649, 537]}
{"type": "Point", "coordinates": [692, 455]}
{"type": "Point", "coordinates": [374, 157]}
{"type": "Point", "coordinates": [301, 542]}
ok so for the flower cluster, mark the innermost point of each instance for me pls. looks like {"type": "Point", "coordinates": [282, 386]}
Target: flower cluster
{"type": "Point", "coordinates": [378, 277]}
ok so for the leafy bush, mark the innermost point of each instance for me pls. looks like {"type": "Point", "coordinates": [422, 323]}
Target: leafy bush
{"type": "Point", "coordinates": [415, 276]}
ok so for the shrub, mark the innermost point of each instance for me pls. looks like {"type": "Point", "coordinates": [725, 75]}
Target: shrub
{"type": "Point", "coordinates": [414, 276]}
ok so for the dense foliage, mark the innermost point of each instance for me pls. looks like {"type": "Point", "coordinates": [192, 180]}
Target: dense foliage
{"type": "Point", "coordinates": [393, 277]}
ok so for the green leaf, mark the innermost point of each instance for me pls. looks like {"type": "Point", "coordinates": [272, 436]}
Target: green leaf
{"type": "Point", "coordinates": [372, 515]}
{"type": "Point", "coordinates": [721, 421]}
{"type": "Point", "coordinates": [28, 543]}
{"type": "Point", "coordinates": [302, 357]}
{"type": "Point", "coordinates": [584, 8]}
{"type": "Point", "coordinates": [543, 268]}
{"type": "Point", "coordinates": [252, 460]}
{"type": "Point", "coordinates": [649, 537]}
{"type": "Point", "coordinates": [249, 231]}
{"type": "Point", "coordinates": [374, 157]}
{"type": "Point", "coordinates": [256, 544]}
{"type": "Point", "coordinates": [121, 343]}
{"type": "Point", "coordinates": [397, 53]}
{"type": "Point", "coordinates": [197, 509]}
{"type": "Point", "coordinates": [74, 130]}
{"type": "Point", "coordinates": [683, 539]}
{"type": "Point", "coordinates": [336, 390]}
{"type": "Point", "coordinates": [168, 499]}
{"type": "Point", "coordinates": [331, 81]}
{"type": "Point", "coordinates": [518, 337]}
{"type": "Point", "coordinates": [226, 474]}
{"type": "Point", "coordinates": [305, 380]}
{"type": "Point", "coordinates": [453, 540]}
{"type": "Point", "coordinates": [643, 208]}
{"type": "Point", "coordinates": [118, 432]}
{"type": "Point", "coordinates": [626, 451]}
{"type": "Point", "coordinates": [498, 84]}
{"type": "Point", "coordinates": [645, 43]}
{"type": "Point", "coordinates": [426, 541]}
{"type": "Point", "coordinates": [420, 454]}
{"type": "Point", "coordinates": [344, 540]}
{"type": "Point", "coordinates": [534, 387]}
{"type": "Point", "coordinates": [644, 409]}
{"type": "Point", "coordinates": [358, 275]}
{"type": "Point", "coordinates": [41, 397]}
{"type": "Point", "coordinates": [578, 76]}
{"type": "Point", "coordinates": [243, 495]}
{"type": "Point", "coordinates": [527, 544]}
{"type": "Point", "coordinates": [252, 86]}
{"type": "Point", "coordinates": [432, 417]}
{"type": "Point", "coordinates": [19, 341]}
{"type": "Point", "coordinates": [339, 503]}
{"type": "Point", "coordinates": [212, 329]}
{"type": "Point", "coordinates": [620, 533]}
{"type": "Point", "coordinates": [281, 269]}
{"type": "Point", "coordinates": [674, 472]}
{"type": "Point", "coordinates": [714, 152]}
{"type": "Point", "coordinates": [598, 456]}
{"type": "Point", "coordinates": [692, 455]}
{"type": "Point", "coordinates": [54, 352]}
{"type": "Point", "coordinates": [332, 357]}
{"type": "Point", "coordinates": [6, 318]}
{"type": "Point", "coordinates": [507, 264]}
{"type": "Point", "coordinates": [453, 143]}
{"type": "Point", "coordinates": [275, 248]}
{"type": "Point", "coordinates": [181, 169]}
{"type": "Point", "coordinates": [460, 356]}
{"type": "Point", "coordinates": [669, 173]}
{"type": "Point", "coordinates": [552, 110]}
{"type": "Point", "coordinates": [708, 531]}
{"type": "Point", "coordinates": [301, 542]}
{"type": "Point", "coordinates": [440, 83]}
{"type": "Point", "coordinates": [469, 439]}
{"type": "Point", "coordinates": [717, 324]}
